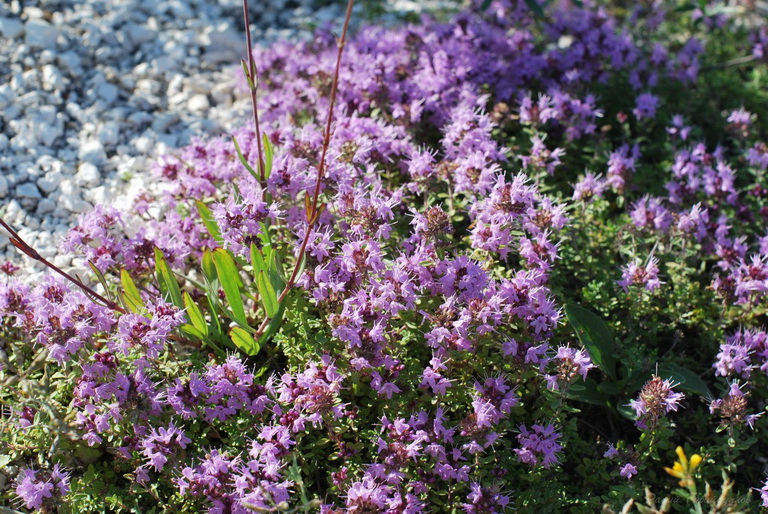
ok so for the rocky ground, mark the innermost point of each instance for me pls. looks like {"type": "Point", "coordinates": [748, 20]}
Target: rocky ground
{"type": "Point", "coordinates": [91, 91]}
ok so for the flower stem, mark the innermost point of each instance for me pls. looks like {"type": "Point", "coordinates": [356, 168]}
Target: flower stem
{"type": "Point", "coordinates": [252, 86]}
{"type": "Point", "coordinates": [30, 252]}
{"type": "Point", "coordinates": [312, 212]}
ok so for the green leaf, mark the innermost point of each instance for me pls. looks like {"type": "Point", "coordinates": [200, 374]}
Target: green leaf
{"type": "Point", "coordinates": [269, 153]}
{"type": "Point", "coordinates": [257, 260]}
{"type": "Point", "coordinates": [209, 269]}
{"type": "Point", "coordinates": [627, 411]}
{"type": "Point", "coordinates": [192, 331]}
{"type": "Point", "coordinates": [244, 341]}
{"type": "Point", "coordinates": [168, 284]}
{"type": "Point", "coordinates": [267, 293]}
{"type": "Point", "coordinates": [100, 277]}
{"type": "Point", "coordinates": [247, 74]}
{"type": "Point", "coordinates": [209, 221]}
{"type": "Point", "coordinates": [534, 6]}
{"type": "Point", "coordinates": [243, 161]}
{"type": "Point", "coordinates": [195, 315]}
{"type": "Point", "coordinates": [230, 282]}
{"type": "Point", "coordinates": [688, 380]}
{"type": "Point", "coordinates": [274, 324]}
{"type": "Point", "coordinates": [130, 293]}
{"type": "Point", "coordinates": [588, 393]}
{"type": "Point", "coordinates": [594, 335]}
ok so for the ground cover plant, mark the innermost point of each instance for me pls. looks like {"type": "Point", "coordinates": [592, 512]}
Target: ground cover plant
{"type": "Point", "coordinates": [513, 261]}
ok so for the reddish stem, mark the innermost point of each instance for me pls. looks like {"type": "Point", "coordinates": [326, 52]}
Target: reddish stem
{"type": "Point", "coordinates": [30, 252]}
{"type": "Point", "coordinates": [254, 101]}
{"type": "Point", "coordinates": [312, 212]}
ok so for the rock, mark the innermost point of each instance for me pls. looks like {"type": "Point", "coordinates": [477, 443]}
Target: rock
{"type": "Point", "coordinates": [164, 121]}
{"type": "Point", "coordinates": [50, 181]}
{"type": "Point", "coordinates": [75, 204]}
{"type": "Point", "coordinates": [3, 186]}
{"type": "Point", "coordinates": [45, 206]}
{"type": "Point", "coordinates": [139, 34]}
{"type": "Point", "coordinates": [40, 34]}
{"type": "Point", "coordinates": [53, 79]}
{"type": "Point", "coordinates": [107, 92]}
{"type": "Point", "coordinates": [88, 175]}
{"type": "Point", "coordinates": [92, 151]}
{"type": "Point", "coordinates": [28, 190]}
{"type": "Point", "coordinates": [109, 133]}
{"type": "Point", "coordinates": [11, 28]}
{"type": "Point", "coordinates": [144, 144]}
{"type": "Point", "coordinates": [198, 103]}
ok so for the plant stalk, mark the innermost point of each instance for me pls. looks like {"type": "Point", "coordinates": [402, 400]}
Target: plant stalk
{"type": "Point", "coordinates": [253, 84]}
{"type": "Point", "coordinates": [30, 252]}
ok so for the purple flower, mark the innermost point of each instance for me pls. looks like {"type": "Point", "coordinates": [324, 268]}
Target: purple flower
{"type": "Point", "coordinates": [162, 443]}
{"type": "Point", "coordinates": [645, 106]}
{"type": "Point", "coordinates": [628, 471]}
{"type": "Point", "coordinates": [636, 275]}
{"type": "Point", "coordinates": [611, 452]}
{"type": "Point", "coordinates": [656, 399]}
{"type": "Point", "coordinates": [38, 488]}
{"type": "Point", "coordinates": [539, 446]}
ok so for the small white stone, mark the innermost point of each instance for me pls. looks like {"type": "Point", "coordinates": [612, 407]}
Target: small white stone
{"type": "Point", "coordinates": [139, 34]}
{"type": "Point", "coordinates": [164, 121]}
{"type": "Point", "coordinates": [11, 27]}
{"type": "Point", "coordinates": [41, 34]}
{"type": "Point", "coordinates": [75, 204]}
{"type": "Point", "coordinates": [53, 79]}
{"type": "Point", "coordinates": [88, 175]}
{"type": "Point", "coordinates": [144, 144]}
{"type": "Point", "coordinates": [62, 260]}
{"type": "Point", "coordinates": [92, 151]}
{"type": "Point", "coordinates": [28, 190]}
{"type": "Point", "coordinates": [45, 206]}
{"type": "Point", "coordinates": [198, 103]}
{"type": "Point", "coordinates": [109, 133]}
{"type": "Point", "coordinates": [50, 181]}
{"type": "Point", "coordinates": [107, 92]}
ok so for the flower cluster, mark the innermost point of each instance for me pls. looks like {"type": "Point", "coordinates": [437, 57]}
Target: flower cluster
{"type": "Point", "coordinates": [402, 346]}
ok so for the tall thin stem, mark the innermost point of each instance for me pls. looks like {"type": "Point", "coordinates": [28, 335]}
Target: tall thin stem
{"type": "Point", "coordinates": [30, 252]}
{"type": "Point", "coordinates": [312, 214]}
{"type": "Point", "coordinates": [312, 211]}
{"type": "Point", "coordinates": [252, 86]}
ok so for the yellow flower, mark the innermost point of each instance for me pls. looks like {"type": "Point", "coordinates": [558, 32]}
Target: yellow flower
{"type": "Point", "coordinates": [684, 468]}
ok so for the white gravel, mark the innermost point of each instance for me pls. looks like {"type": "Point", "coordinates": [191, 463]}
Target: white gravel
{"type": "Point", "coordinates": [92, 91]}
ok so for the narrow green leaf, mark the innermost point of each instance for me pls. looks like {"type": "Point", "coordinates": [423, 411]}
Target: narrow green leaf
{"type": "Point", "coordinates": [588, 393]}
{"type": "Point", "coordinates": [230, 282]}
{"type": "Point", "coordinates": [168, 284]}
{"type": "Point", "coordinates": [274, 324]}
{"type": "Point", "coordinates": [257, 260]}
{"type": "Point", "coordinates": [595, 336]}
{"type": "Point", "coordinates": [244, 341]}
{"type": "Point", "coordinates": [100, 277]}
{"type": "Point", "coordinates": [247, 74]}
{"type": "Point", "coordinates": [195, 315]}
{"type": "Point", "coordinates": [192, 331]}
{"type": "Point", "coordinates": [209, 269]}
{"type": "Point", "coordinates": [209, 221]}
{"type": "Point", "coordinates": [688, 380]}
{"type": "Point", "coordinates": [267, 293]}
{"type": "Point", "coordinates": [131, 295]}
{"type": "Point", "coordinates": [269, 153]}
{"type": "Point", "coordinates": [242, 159]}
